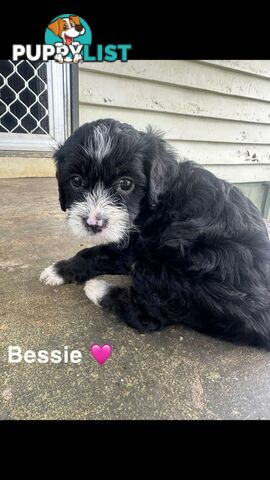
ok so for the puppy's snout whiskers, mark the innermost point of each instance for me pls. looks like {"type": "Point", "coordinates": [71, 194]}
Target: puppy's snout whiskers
{"type": "Point", "coordinates": [101, 203]}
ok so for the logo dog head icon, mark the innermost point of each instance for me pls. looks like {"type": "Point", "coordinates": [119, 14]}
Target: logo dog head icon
{"type": "Point", "coordinates": [68, 29]}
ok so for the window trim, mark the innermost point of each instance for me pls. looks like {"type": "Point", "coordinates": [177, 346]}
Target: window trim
{"type": "Point", "coordinates": [59, 108]}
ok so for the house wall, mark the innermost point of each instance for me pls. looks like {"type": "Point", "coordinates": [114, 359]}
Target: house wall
{"type": "Point", "coordinates": [214, 112]}
{"type": "Point", "coordinates": [22, 164]}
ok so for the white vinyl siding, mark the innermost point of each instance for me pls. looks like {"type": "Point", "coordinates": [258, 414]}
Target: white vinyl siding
{"type": "Point", "coordinates": [214, 112]}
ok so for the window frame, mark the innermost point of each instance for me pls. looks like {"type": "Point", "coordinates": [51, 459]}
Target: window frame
{"type": "Point", "coordinates": [59, 110]}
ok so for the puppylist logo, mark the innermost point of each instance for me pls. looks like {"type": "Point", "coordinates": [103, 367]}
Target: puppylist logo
{"type": "Point", "coordinates": [68, 39]}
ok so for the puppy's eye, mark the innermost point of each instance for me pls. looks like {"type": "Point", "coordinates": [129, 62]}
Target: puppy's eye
{"type": "Point", "coordinates": [125, 184]}
{"type": "Point", "coordinates": [76, 181]}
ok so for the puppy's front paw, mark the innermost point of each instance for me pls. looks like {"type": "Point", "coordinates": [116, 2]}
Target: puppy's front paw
{"type": "Point", "coordinates": [51, 277]}
{"type": "Point", "coordinates": [96, 289]}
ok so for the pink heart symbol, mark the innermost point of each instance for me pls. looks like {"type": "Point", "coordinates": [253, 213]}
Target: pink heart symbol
{"type": "Point", "coordinates": [101, 353]}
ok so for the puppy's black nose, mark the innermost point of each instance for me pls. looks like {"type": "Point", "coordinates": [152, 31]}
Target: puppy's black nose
{"type": "Point", "coordinates": [95, 228]}
{"type": "Point", "coordinates": [78, 28]}
{"type": "Point", "coordinates": [95, 224]}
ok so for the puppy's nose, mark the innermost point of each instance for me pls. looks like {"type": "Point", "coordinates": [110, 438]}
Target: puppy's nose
{"type": "Point", "coordinates": [78, 28]}
{"type": "Point", "coordinates": [95, 223]}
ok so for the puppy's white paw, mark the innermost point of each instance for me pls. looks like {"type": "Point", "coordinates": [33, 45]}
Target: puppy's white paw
{"type": "Point", "coordinates": [96, 289]}
{"type": "Point", "coordinates": [51, 277]}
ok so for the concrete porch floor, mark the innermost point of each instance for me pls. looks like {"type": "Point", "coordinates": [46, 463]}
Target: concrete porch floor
{"type": "Point", "coordinates": [173, 374]}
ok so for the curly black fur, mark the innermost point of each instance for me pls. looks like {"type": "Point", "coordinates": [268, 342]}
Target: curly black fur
{"type": "Point", "coordinates": [201, 255]}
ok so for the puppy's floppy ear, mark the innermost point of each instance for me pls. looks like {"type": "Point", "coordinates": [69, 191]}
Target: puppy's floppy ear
{"type": "Point", "coordinates": [162, 165]}
{"type": "Point", "coordinates": [55, 27]}
{"type": "Point", "coordinates": [58, 160]}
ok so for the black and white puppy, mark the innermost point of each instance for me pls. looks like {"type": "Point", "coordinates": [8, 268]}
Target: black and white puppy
{"type": "Point", "coordinates": [196, 248]}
